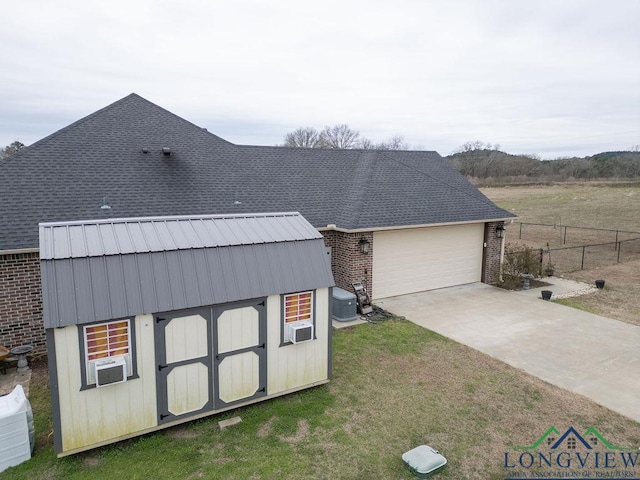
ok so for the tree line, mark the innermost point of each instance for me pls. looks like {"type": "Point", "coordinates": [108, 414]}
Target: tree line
{"type": "Point", "coordinates": [339, 136]}
{"type": "Point", "coordinates": [489, 165]}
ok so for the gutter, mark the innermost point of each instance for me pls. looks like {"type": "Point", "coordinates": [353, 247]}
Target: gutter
{"type": "Point", "coordinates": [19, 251]}
{"type": "Point", "coordinates": [333, 226]}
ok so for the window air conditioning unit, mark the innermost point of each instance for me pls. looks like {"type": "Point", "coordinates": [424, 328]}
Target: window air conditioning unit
{"type": "Point", "coordinates": [110, 371]}
{"type": "Point", "coordinates": [301, 332]}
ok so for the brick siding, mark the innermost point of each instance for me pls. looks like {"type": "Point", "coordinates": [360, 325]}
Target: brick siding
{"type": "Point", "coordinates": [21, 301]}
{"type": "Point", "coordinates": [348, 264]}
{"type": "Point", "coordinates": [492, 254]}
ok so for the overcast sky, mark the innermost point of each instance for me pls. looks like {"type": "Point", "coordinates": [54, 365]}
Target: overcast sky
{"type": "Point", "coordinates": [556, 78]}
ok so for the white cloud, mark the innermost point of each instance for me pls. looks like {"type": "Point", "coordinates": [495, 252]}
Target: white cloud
{"type": "Point", "coordinates": [557, 78]}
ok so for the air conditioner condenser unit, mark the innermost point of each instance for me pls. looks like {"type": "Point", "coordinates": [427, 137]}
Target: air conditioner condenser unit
{"type": "Point", "coordinates": [301, 332]}
{"type": "Point", "coordinates": [110, 371]}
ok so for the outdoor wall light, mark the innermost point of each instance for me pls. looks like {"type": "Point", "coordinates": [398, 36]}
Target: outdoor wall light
{"type": "Point", "coordinates": [363, 245]}
{"type": "Point", "coordinates": [500, 231]}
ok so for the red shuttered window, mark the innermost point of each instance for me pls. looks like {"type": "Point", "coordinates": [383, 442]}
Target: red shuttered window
{"type": "Point", "coordinates": [298, 307]}
{"type": "Point", "coordinates": [107, 340]}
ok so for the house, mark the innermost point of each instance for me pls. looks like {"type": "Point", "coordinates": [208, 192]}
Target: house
{"type": "Point", "coordinates": [152, 322]}
{"type": "Point", "coordinates": [424, 225]}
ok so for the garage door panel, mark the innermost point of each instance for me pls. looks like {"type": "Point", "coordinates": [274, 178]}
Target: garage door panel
{"type": "Point", "coordinates": [414, 260]}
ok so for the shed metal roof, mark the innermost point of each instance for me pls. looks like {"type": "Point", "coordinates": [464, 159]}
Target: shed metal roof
{"type": "Point", "coordinates": [158, 234]}
{"type": "Point", "coordinates": [96, 271]}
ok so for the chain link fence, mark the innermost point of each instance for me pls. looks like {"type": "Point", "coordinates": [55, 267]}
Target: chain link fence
{"type": "Point", "coordinates": [588, 247]}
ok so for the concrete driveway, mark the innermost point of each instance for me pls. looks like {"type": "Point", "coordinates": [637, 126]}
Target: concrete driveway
{"type": "Point", "coordinates": [588, 354]}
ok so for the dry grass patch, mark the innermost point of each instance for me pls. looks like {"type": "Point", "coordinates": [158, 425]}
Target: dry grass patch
{"type": "Point", "coordinates": [266, 428]}
{"type": "Point", "coordinates": [182, 432]}
{"type": "Point", "coordinates": [614, 206]}
{"type": "Point", "coordinates": [91, 462]}
{"type": "Point", "coordinates": [301, 434]}
{"type": "Point", "coordinates": [620, 298]}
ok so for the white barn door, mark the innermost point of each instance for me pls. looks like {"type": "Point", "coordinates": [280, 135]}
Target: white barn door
{"type": "Point", "coordinates": [184, 355]}
{"type": "Point", "coordinates": [239, 352]}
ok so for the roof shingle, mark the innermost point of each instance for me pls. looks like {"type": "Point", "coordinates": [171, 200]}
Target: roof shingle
{"type": "Point", "coordinates": [99, 160]}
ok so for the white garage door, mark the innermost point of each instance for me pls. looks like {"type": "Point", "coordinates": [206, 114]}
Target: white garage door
{"type": "Point", "coordinates": [414, 260]}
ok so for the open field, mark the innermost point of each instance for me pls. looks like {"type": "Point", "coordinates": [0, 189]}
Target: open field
{"type": "Point", "coordinates": [395, 386]}
{"type": "Point", "coordinates": [614, 206]}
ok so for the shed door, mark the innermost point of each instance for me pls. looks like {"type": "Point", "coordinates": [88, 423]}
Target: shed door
{"type": "Point", "coordinates": [240, 352]}
{"type": "Point", "coordinates": [419, 259]}
{"type": "Point", "coordinates": [184, 356]}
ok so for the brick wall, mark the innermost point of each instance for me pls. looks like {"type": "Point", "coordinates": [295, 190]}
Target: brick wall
{"type": "Point", "coordinates": [348, 264]}
{"type": "Point", "coordinates": [21, 301]}
{"type": "Point", "coordinates": [492, 254]}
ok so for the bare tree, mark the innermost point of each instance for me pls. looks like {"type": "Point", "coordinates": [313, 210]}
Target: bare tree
{"type": "Point", "coordinates": [474, 145]}
{"type": "Point", "coordinates": [367, 144]}
{"type": "Point", "coordinates": [305, 137]}
{"type": "Point", "coordinates": [394, 143]}
{"type": "Point", "coordinates": [340, 136]}
{"type": "Point", "coordinates": [11, 149]}
{"type": "Point", "coordinates": [470, 146]}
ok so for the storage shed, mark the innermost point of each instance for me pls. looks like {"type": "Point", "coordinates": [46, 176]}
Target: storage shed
{"type": "Point", "coordinates": [151, 322]}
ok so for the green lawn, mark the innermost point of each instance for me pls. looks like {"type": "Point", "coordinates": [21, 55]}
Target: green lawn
{"type": "Point", "coordinates": [395, 386]}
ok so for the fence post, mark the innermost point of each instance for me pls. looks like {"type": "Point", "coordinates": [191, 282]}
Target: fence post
{"type": "Point", "coordinates": [520, 237]}
{"type": "Point", "coordinates": [564, 240]}
{"type": "Point", "coordinates": [616, 244]}
{"type": "Point", "coordinates": [582, 264]}
{"type": "Point", "coordinates": [619, 244]}
{"type": "Point", "coordinates": [541, 260]}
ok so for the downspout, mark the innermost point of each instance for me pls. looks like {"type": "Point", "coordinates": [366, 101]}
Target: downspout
{"type": "Point", "coordinates": [502, 244]}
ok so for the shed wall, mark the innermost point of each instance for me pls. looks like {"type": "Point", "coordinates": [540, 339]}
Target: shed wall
{"type": "Point", "coordinates": [290, 366]}
{"type": "Point", "coordinates": [97, 415]}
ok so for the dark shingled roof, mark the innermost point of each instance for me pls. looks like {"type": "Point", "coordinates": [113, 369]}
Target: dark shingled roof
{"type": "Point", "coordinates": [70, 174]}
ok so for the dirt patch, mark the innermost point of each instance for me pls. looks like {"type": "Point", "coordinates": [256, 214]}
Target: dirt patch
{"type": "Point", "coordinates": [182, 432]}
{"type": "Point", "coordinates": [301, 434]}
{"type": "Point", "coordinates": [266, 428]}
{"type": "Point", "coordinates": [91, 462]}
